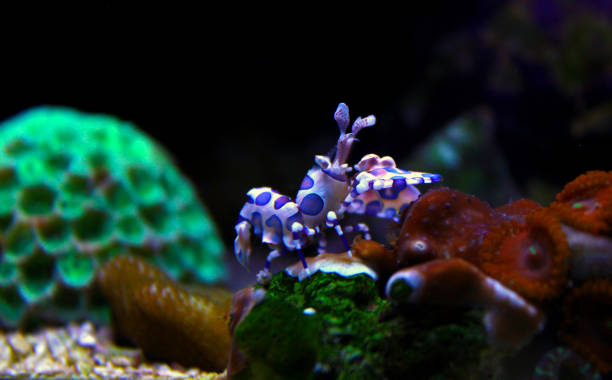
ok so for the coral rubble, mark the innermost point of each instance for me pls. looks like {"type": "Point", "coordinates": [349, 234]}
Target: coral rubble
{"type": "Point", "coordinates": [81, 351]}
{"type": "Point", "coordinates": [77, 189]}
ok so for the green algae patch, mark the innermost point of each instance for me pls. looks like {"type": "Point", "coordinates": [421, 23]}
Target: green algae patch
{"type": "Point", "coordinates": [436, 342]}
{"type": "Point", "coordinates": [270, 335]}
{"type": "Point", "coordinates": [361, 335]}
{"type": "Point", "coordinates": [352, 338]}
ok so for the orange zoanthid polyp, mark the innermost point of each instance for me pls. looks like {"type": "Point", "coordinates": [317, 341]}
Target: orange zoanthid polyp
{"type": "Point", "coordinates": [530, 258]}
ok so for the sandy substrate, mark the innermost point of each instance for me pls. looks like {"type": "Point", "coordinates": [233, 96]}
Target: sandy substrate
{"type": "Point", "coordinates": [81, 351]}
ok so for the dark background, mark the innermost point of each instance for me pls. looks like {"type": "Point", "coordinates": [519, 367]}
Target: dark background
{"type": "Point", "coordinates": [242, 100]}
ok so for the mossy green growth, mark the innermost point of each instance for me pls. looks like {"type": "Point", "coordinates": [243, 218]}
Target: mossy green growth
{"type": "Point", "coordinates": [351, 339]}
{"type": "Point", "coordinates": [77, 189]}
{"type": "Point", "coordinates": [438, 343]}
{"type": "Point", "coordinates": [269, 338]}
{"type": "Point", "coordinates": [364, 336]}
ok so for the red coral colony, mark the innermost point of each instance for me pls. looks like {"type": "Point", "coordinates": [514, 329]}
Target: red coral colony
{"type": "Point", "coordinates": [553, 263]}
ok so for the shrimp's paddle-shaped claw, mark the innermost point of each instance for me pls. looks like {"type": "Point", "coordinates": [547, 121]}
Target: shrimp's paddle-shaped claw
{"type": "Point", "coordinates": [242, 243]}
{"type": "Point", "coordinates": [377, 173]}
{"type": "Point", "coordinates": [381, 189]}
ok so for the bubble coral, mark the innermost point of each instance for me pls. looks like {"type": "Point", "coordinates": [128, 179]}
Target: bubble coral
{"type": "Point", "coordinates": [76, 189]}
{"type": "Point", "coordinates": [586, 202]}
{"type": "Point", "coordinates": [443, 223]}
{"type": "Point", "coordinates": [531, 258]}
{"type": "Point", "coordinates": [165, 320]}
{"type": "Point", "coordinates": [587, 312]}
{"type": "Point", "coordinates": [509, 319]}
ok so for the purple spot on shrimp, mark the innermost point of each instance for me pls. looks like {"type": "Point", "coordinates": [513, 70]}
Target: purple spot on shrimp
{"type": "Point", "coordinates": [274, 222]}
{"type": "Point", "coordinates": [256, 222]}
{"type": "Point", "coordinates": [399, 184]}
{"type": "Point", "coordinates": [388, 193]}
{"type": "Point", "coordinates": [433, 177]}
{"type": "Point", "coordinates": [250, 199]}
{"type": "Point", "coordinates": [307, 183]}
{"type": "Point", "coordinates": [263, 198]}
{"type": "Point", "coordinates": [312, 204]}
{"type": "Point", "coordinates": [276, 227]}
{"type": "Point", "coordinates": [281, 201]}
{"type": "Point", "coordinates": [373, 208]}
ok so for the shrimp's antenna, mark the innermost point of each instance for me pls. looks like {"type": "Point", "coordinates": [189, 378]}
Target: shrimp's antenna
{"type": "Point", "coordinates": [345, 141]}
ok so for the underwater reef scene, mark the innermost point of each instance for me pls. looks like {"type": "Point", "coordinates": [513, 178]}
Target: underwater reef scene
{"type": "Point", "coordinates": [444, 286]}
{"type": "Point", "coordinates": [460, 228]}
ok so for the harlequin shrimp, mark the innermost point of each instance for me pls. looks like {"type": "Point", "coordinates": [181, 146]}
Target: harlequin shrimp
{"type": "Point", "coordinates": [326, 193]}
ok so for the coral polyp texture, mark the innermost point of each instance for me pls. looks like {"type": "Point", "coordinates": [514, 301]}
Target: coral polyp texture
{"type": "Point", "coordinates": [443, 223]}
{"type": "Point", "coordinates": [531, 258]}
{"type": "Point", "coordinates": [586, 202]}
{"type": "Point", "coordinates": [77, 189]}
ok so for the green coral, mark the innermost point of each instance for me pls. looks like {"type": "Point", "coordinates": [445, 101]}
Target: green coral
{"type": "Point", "coordinates": [363, 336]}
{"type": "Point", "coordinates": [77, 189]}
